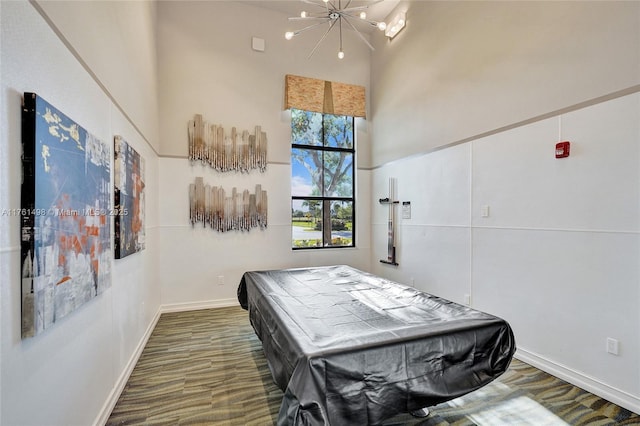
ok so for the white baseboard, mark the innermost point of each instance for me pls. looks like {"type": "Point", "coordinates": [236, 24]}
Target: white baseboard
{"type": "Point", "coordinates": [111, 401]}
{"type": "Point", "coordinates": [194, 306]}
{"type": "Point", "coordinates": [590, 384]}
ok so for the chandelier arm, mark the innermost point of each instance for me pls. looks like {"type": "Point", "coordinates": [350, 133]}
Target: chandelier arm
{"type": "Point", "coordinates": [360, 34]}
{"type": "Point", "coordinates": [356, 8]}
{"type": "Point", "coordinates": [323, 6]}
{"type": "Point", "coordinates": [321, 39]}
{"type": "Point", "coordinates": [295, 33]}
{"type": "Point", "coordinates": [364, 6]}
{"type": "Point", "coordinates": [340, 28]}
{"type": "Point", "coordinates": [307, 18]}
{"type": "Point", "coordinates": [368, 21]}
{"type": "Point", "coordinates": [333, 6]}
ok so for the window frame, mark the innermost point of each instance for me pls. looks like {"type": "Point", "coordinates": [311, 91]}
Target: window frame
{"type": "Point", "coordinates": [329, 199]}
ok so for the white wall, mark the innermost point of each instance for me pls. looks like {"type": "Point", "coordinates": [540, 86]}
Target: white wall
{"type": "Point", "coordinates": [70, 374]}
{"type": "Point", "coordinates": [558, 255]}
{"type": "Point", "coordinates": [117, 43]}
{"type": "Point", "coordinates": [470, 67]}
{"type": "Point", "coordinates": [212, 70]}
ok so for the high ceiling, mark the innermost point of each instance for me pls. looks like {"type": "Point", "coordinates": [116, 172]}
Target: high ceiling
{"type": "Point", "coordinates": [377, 12]}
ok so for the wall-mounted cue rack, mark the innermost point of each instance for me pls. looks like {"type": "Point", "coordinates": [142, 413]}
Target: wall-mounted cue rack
{"type": "Point", "coordinates": [391, 244]}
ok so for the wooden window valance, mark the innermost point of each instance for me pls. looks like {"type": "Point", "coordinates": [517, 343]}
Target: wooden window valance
{"type": "Point", "coordinates": [327, 97]}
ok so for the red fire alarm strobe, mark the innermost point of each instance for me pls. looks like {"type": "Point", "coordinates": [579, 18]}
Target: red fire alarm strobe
{"type": "Point", "coordinates": [562, 149]}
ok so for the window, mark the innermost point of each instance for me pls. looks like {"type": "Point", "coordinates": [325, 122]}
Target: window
{"type": "Point", "coordinates": [322, 180]}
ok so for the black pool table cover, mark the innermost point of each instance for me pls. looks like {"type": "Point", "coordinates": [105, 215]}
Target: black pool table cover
{"type": "Point", "coordinates": [350, 348]}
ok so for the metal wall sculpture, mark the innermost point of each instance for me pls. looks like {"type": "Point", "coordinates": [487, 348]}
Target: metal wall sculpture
{"type": "Point", "coordinates": [241, 211]}
{"type": "Point", "coordinates": [129, 236]}
{"type": "Point", "coordinates": [391, 228]}
{"type": "Point", "coordinates": [235, 152]}
{"type": "Point", "coordinates": [66, 249]}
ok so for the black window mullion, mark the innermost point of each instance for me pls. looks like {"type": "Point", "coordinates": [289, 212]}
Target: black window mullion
{"type": "Point", "coordinates": [320, 148]}
{"type": "Point", "coordinates": [327, 201]}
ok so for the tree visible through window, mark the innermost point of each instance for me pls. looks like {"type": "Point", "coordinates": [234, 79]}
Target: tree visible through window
{"type": "Point", "coordinates": [322, 180]}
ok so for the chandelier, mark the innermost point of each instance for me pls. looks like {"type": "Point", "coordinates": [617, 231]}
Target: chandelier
{"type": "Point", "coordinates": [334, 14]}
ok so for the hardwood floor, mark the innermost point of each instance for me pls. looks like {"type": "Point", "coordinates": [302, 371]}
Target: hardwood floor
{"type": "Point", "coordinates": [206, 367]}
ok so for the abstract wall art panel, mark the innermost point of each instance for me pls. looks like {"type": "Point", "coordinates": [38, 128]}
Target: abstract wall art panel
{"type": "Point", "coordinates": [239, 211]}
{"type": "Point", "coordinates": [238, 151]}
{"type": "Point", "coordinates": [129, 199]}
{"type": "Point", "coordinates": [66, 249]}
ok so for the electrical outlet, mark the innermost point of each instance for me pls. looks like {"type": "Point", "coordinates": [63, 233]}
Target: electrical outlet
{"type": "Point", "coordinates": [220, 279]}
{"type": "Point", "coordinates": [612, 346]}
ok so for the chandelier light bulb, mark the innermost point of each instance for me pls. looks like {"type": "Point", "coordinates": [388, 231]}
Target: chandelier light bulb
{"type": "Point", "coordinates": [340, 54]}
{"type": "Point", "coordinates": [288, 35]}
{"type": "Point", "coordinates": [382, 26]}
{"type": "Point", "coordinates": [363, 15]}
{"type": "Point", "coordinates": [303, 14]}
